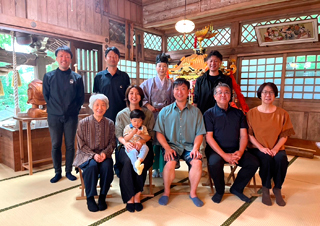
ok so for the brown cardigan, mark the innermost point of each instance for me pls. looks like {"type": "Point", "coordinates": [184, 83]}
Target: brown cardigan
{"type": "Point", "coordinates": [94, 137]}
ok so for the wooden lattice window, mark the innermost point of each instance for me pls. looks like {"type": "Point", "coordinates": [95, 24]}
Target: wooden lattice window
{"type": "Point", "coordinates": [255, 72]}
{"type": "Point", "coordinates": [302, 79]}
{"type": "Point", "coordinates": [87, 61]}
{"type": "Point", "coordinates": [176, 42]}
{"type": "Point", "coordinates": [129, 67]}
{"type": "Point", "coordinates": [152, 41]}
{"type": "Point", "coordinates": [117, 32]}
{"type": "Point", "coordinates": [222, 38]}
{"type": "Point", "coordinates": [248, 33]}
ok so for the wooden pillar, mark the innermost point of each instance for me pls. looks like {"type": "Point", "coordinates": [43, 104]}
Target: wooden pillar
{"type": "Point", "coordinates": [283, 76]}
{"type": "Point", "coordinates": [129, 41]}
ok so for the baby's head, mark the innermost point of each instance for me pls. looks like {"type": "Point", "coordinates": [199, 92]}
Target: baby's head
{"type": "Point", "coordinates": [136, 117]}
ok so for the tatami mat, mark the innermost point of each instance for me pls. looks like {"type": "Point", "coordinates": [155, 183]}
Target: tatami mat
{"type": "Point", "coordinates": [33, 200]}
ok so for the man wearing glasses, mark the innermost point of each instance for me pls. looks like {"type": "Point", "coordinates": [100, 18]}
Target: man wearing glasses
{"type": "Point", "coordinates": [227, 140]}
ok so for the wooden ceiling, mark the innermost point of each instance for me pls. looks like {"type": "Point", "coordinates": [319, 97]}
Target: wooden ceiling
{"type": "Point", "coordinates": [163, 14]}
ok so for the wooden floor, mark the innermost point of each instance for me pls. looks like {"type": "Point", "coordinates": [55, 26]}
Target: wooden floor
{"type": "Point", "coordinates": [33, 200]}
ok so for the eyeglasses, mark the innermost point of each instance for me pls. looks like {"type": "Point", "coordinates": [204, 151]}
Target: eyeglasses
{"type": "Point", "coordinates": [220, 93]}
{"type": "Point", "coordinates": [268, 92]}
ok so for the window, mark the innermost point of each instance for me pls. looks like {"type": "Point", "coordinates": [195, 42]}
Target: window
{"type": "Point", "coordinates": [130, 67]}
{"type": "Point", "coordinates": [87, 61]}
{"type": "Point", "coordinates": [147, 70]}
{"type": "Point", "coordinates": [152, 41]}
{"type": "Point", "coordinates": [256, 71]}
{"type": "Point", "coordinates": [302, 78]}
{"type": "Point", "coordinates": [179, 42]}
{"type": "Point", "coordinates": [117, 32]}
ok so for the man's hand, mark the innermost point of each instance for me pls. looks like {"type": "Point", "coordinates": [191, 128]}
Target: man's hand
{"type": "Point", "coordinates": [151, 108]}
{"type": "Point", "coordinates": [169, 154]}
{"type": "Point", "coordinates": [195, 154]}
{"type": "Point", "coordinates": [230, 158]}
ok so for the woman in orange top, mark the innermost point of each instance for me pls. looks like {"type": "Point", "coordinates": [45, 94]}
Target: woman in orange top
{"type": "Point", "coordinates": [269, 128]}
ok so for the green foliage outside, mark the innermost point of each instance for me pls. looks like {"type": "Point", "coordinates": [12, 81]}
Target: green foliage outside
{"type": "Point", "coordinates": [26, 76]}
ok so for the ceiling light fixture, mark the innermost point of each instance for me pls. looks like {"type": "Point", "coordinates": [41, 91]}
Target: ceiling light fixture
{"type": "Point", "coordinates": [184, 26]}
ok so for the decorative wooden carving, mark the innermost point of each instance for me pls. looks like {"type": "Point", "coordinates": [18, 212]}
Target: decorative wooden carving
{"type": "Point", "coordinates": [35, 97]}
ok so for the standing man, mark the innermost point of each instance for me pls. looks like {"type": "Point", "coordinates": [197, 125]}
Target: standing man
{"type": "Point", "coordinates": [113, 83]}
{"type": "Point", "coordinates": [180, 131]}
{"type": "Point", "coordinates": [64, 93]}
{"type": "Point", "coordinates": [227, 140]}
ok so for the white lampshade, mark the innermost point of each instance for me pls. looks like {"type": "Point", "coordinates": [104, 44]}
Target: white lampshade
{"type": "Point", "coordinates": [184, 26]}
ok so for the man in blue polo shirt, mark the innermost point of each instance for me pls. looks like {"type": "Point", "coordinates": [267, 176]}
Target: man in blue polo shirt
{"type": "Point", "coordinates": [227, 140]}
{"type": "Point", "coordinates": [180, 131]}
{"type": "Point", "coordinates": [113, 83]}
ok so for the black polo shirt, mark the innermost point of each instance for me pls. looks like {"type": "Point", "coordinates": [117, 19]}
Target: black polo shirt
{"type": "Point", "coordinates": [114, 87]}
{"type": "Point", "coordinates": [225, 126]}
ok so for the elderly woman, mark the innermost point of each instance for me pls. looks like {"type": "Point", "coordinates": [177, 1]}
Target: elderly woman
{"type": "Point", "coordinates": [269, 128]}
{"type": "Point", "coordinates": [158, 93]}
{"type": "Point", "coordinates": [131, 184]}
{"type": "Point", "coordinates": [96, 142]}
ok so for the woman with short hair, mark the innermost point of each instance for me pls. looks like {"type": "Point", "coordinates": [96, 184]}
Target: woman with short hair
{"type": "Point", "coordinates": [269, 128]}
{"type": "Point", "coordinates": [95, 143]}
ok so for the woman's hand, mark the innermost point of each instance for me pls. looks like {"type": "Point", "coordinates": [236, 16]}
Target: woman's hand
{"type": "Point", "coordinates": [102, 156]}
{"type": "Point", "coordinates": [266, 151]}
{"type": "Point", "coordinates": [138, 145]}
{"type": "Point", "coordinates": [129, 146]}
{"type": "Point", "coordinates": [274, 151]}
{"type": "Point", "coordinates": [97, 157]}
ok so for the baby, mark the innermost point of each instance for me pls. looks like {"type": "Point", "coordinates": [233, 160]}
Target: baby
{"type": "Point", "coordinates": [133, 133]}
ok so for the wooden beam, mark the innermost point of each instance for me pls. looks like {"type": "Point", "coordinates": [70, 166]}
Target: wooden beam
{"type": "Point", "coordinates": [160, 18]}
{"type": "Point", "coordinates": [26, 25]}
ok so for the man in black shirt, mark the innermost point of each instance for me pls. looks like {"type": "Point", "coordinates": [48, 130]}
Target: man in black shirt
{"type": "Point", "coordinates": [64, 93]}
{"type": "Point", "coordinates": [113, 83]}
{"type": "Point", "coordinates": [227, 140]}
{"type": "Point", "coordinates": [205, 84]}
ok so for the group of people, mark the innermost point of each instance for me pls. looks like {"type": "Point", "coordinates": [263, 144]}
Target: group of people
{"type": "Point", "coordinates": [154, 125]}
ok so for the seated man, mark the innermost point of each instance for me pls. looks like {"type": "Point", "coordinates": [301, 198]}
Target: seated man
{"type": "Point", "coordinates": [227, 140]}
{"type": "Point", "coordinates": [180, 131]}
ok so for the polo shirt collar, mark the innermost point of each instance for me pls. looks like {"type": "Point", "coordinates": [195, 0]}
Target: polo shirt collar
{"type": "Point", "coordinates": [107, 72]}
{"type": "Point", "coordinates": [222, 110]}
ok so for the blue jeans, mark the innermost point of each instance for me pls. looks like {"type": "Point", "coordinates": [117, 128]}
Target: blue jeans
{"type": "Point", "coordinates": [59, 126]}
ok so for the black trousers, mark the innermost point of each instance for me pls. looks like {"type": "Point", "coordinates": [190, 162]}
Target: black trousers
{"type": "Point", "coordinates": [92, 171]}
{"type": "Point", "coordinates": [272, 167]}
{"type": "Point", "coordinates": [249, 165]}
{"type": "Point", "coordinates": [130, 182]}
{"type": "Point", "coordinates": [59, 126]}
